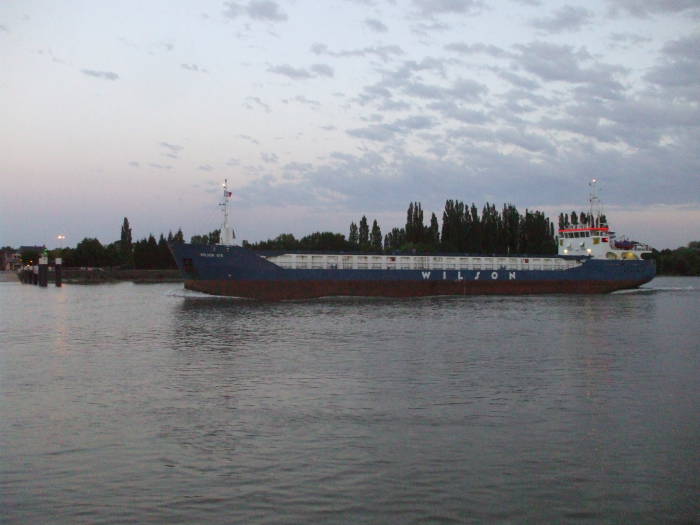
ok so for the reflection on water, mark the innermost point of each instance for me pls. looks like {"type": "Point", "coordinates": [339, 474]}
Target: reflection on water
{"type": "Point", "coordinates": [151, 404]}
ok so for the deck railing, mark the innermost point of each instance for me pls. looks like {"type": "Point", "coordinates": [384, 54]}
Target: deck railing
{"type": "Point", "coordinates": [418, 262]}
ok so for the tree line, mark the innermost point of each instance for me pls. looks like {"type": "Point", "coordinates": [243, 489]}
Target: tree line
{"type": "Point", "coordinates": [147, 253]}
{"type": "Point", "coordinates": [463, 230]}
{"type": "Point", "coordinates": [681, 261]}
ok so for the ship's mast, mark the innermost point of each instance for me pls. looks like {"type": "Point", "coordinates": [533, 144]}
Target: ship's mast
{"type": "Point", "coordinates": [595, 208]}
{"type": "Point", "coordinates": [227, 235]}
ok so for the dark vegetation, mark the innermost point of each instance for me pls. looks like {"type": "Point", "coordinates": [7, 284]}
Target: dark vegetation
{"type": "Point", "coordinates": [145, 254]}
{"type": "Point", "coordinates": [462, 230]}
{"type": "Point", "coordinates": [681, 261]}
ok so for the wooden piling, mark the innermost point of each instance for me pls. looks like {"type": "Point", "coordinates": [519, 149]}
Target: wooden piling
{"type": "Point", "coordinates": [43, 271]}
{"type": "Point", "coordinates": [57, 271]}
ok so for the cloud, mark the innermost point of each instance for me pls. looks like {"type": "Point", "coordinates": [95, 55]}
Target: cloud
{"type": "Point", "coordinates": [678, 67]}
{"type": "Point", "coordinates": [554, 62]}
{"type": "Point", "coordinates": [160, 166]}
{"type": "Point", "coordinates": [462, 89]}
{"type": "Point", "coordinates": [427, 28]}
{"type": "Point", "coordinates": [566, 18]}
{"type": "Point", "coordinates": [134, 164]}
{"type": "Point", "coordinates": [450, 110]}
{"type": "Point", "coordinates": [175, 148]}
{"type": "Point", "coordinates": [205, 167]}
{"type": "Point", "coordinates": [249, 139]}
{"type": "Point", "coordinates": [376, 25]}
{"type": "Point", "coordinates": [522, 139]}
{"type": "Point", "coordinates": [518, 80]}
{"type": "Point", "coordinates": [252, 102]}
{"type": "Point", "coordinates": [323, 70]}
{"type": "Point", "coordinates": [629, 38]}
{"type": "Point", "coordinates": [193, 67]}
{"type": "Point", "coordinates": [106, 75]}
{"type": "Point", "coordinates": [375, 132]}
{"type": "Point", "coordinates": [385, 53]}
{"type": "Point", "coordinates": [266, 10]}
{"type": "Point", "coordinates": [386, 132]}
{"type": "Point", "coordinates": [290, 72]}
{"type": "Point", "coordinates": [441, 7]}
{"type": "Point", "coordinates": [299, 73]}
{"type": "Point", "coordinates": [172, 150]}
{"type": "Point", "coordinates": [466, 89]}
{"type": "Point", "coordinates": [415, 122]}
{"type": "Point", "coordinates": [307, 101]}
{"type": "Point", "coordinates": [269, 158]}
{"type": "Point", "coordinates": [645, 8]}
{"type": "Point", "coordinates": [470, 49]}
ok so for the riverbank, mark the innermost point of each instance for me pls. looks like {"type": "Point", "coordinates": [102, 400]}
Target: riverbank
{"type": "Point", "coordinates": [8, 277]}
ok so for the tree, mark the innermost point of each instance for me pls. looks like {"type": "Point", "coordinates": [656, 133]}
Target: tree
{"type": "Point", "coordinates": [179, 237]}
{"type": "Point", "coordinates": [453, 234]}
{"type": "Point", "coordinates": [125, 245]}
{"type": "Point", "coordinates": [434, 233]}
{"type": "Point", "coordinates": [574, 219]}
{"type": "Point", "coordinates": [90, 252]}
{"type": "Point", "coordinates": [510, 219]}
{"type": "Point", "coordinates": [364, 234]}
{"type": "Point", "coordinates": [395, 239]}
{"type": "Point", "coordinates": [322, 241]}
{"type": "Point", "coordinates": [489, 229]}
{"type": "Point", "coordinates": [414, 224]}
{"type": "Point", "coordinates": [113, 254]}
{"type": "Point", "coordinates": [165, 258]}
{"type": "Point", "coordinates": [375, 238]}
{"type": "Point", "coordinates": [284, 241]}
{"type": "Point", "coordinates": [30, 256]}
{"type": "Point", "coordinates": [208, 238]}
{"type": "Point", "coordinates": [475, 231]}
{"type": "Point", "coordinates": [354, 237]}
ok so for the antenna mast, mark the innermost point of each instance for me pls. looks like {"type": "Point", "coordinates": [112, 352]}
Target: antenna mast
{"type": "Point", "coordinates": [595, 209]}
{"type": "Point", "coordinates": [227, 235]}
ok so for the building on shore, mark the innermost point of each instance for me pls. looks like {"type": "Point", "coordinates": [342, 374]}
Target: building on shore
{"type": "Point", "coordinates": [10, 260]}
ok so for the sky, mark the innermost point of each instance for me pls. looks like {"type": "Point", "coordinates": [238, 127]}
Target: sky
{"type": "Point", "coordinates": [319, 112]}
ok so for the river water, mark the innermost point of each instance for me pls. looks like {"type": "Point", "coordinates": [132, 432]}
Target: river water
{"type": "Point", "coordinates": [148, 404]}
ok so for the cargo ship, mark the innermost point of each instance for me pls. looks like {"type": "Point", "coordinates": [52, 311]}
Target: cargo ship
{"type": "Point", "coordinates": [590, 259]}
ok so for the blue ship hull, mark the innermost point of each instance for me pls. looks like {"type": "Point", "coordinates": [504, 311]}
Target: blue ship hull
{"type": "Point", "coordinates": [236, 271]}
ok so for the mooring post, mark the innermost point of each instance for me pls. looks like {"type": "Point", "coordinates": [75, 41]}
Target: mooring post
{"type": "Point", "coordinates": [57, 268]}
{"type": "Point", "coordinates": [43, 271]}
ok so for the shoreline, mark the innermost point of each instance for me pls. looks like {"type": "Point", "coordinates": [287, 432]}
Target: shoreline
{"type": "Point", "coordinates": [106, 275]}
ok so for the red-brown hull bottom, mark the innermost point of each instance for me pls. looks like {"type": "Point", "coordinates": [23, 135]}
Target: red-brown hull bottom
{"type": "Point", "coordinates": [290, 290]}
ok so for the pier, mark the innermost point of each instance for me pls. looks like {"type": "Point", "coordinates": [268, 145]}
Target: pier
{"type": "Point", "coordinates": [42, 274]}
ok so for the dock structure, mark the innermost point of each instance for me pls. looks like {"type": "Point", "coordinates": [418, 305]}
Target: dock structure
{"type": "Point", "coordinates": [40, 274]}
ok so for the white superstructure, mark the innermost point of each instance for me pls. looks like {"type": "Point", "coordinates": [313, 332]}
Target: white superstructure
{"type": "Point", "coordinates": [594, 238]}
{"type": "Point", "coordinates": [227, 234]}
